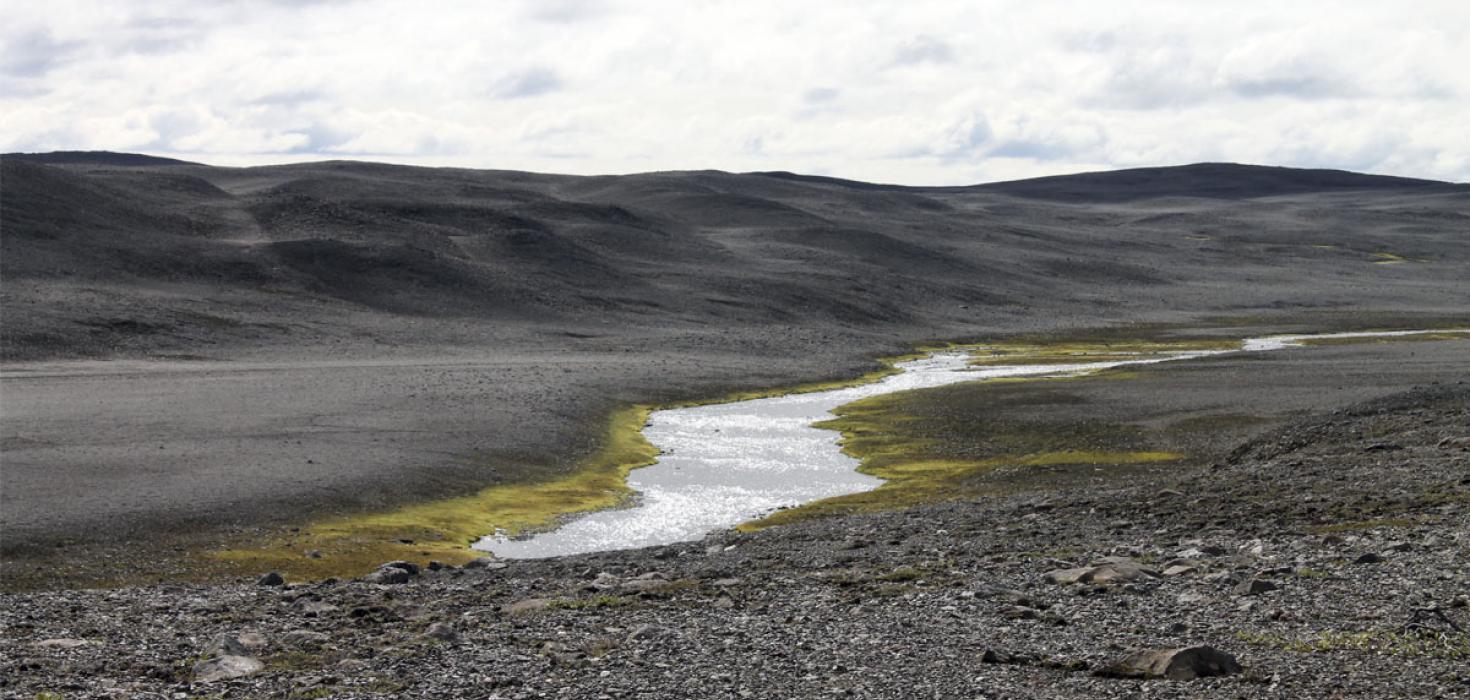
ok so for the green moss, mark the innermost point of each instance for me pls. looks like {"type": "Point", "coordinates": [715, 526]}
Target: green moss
{"type": "Point", "coordinates": [1359, 525]}
{"type": "Point", "coordinates": [942, 443]}
{"type": "Point", "coordinates": [594, 603]}
{"type": "Point", "coordinates": [1395, 642]}
{"type": "Point", "coordinates": [443, 530]}
{"type": "Point", "coordinates": [1386, 258]}
{"type": "Point", "coordinates": [902, 574]}
{"type": "Point", "coordinates": [294, 661]}
{"type": "Point", "coordinates": [1050, 353]}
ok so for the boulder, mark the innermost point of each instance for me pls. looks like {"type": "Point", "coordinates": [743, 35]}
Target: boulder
{"type": "Point", "coordinates": [1182, 664]}
{"type": "Point", "coordinates": [442, 632]}
{"type": "Point", "coordinates": [63, 643]}
{"type": "Point", "coordinates": [410, 567]}
{"type": "Point", "coordinates": [273, 578]}
{"type": "Point", "coordinates": [1369, 558]}
{"type": "Point", "coordinates": [1255, 586]}
{"type": "Point", "coordinates": [226, 667]}
{"type": "Point", "coordinates": [1108, 570]}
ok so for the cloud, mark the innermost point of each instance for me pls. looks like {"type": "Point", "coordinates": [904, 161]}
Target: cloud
{"type": "Point", "coordinates": [531, 82]}
{"type": "Point", "coordinates": [35, 53]}
{"type": "Point", "coordinates": [923, 49]}
{"type": "Point", "coordinates": [926, 92]}
{"type": "Point", "coordinates": [819, 95]}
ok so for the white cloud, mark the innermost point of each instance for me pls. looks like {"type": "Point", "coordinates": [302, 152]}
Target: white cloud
{"type": "Point", "coordinates": [923, 92]}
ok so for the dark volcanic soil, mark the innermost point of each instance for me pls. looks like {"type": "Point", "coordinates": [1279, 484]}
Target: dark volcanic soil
{"type": "Point", "coordinates": [336, 336]}
{"type": "Point", "coordinates": [1329, 558]}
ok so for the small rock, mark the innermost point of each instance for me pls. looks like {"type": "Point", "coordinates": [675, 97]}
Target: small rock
{"type": "Point", "coordinates": [389, 576]}
{"type": "Point", "coordinates": [410, 567]}
{"type": "Point", "coordinates": [1180, 570]}
{"type": "Point", "coordinates": [442, 632]}
{"type": "Point", "coordinates": [317, 608]}
{"type": "Point", "coordinates": [1255, 586]}
{"type": "Point", "coordinates": [1455, 443]}
{"type": "Point", "coordinates": [63, 643]}
{"type": "Point", "coordinates": [1369, 558]}
{"type": "Point", "coordinates": [273, 578]}
{"type": "Point", "coordinates": [301, 638]}
{"type": "Point", "coordinates": [227, 645]}
{"type": "Point", "coordinates": [226, 667]}
{"type": "Point", "coordinates": [646, 632]}
{"type": "Point", "coordinates": [1019, 612]}
{"type": "Point", "coordinates": [1182, 664]}
{"type": "Point", "coordinates": [253, 641]}
{"type": "Point", "coordinates": [1068, 576]}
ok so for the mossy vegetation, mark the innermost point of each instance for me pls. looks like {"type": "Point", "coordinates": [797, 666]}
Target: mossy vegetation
{"type": "Point", "coordinates": [951, 442]}
{"type": "Point", "coordinates": [1030, 353]}
{"type": "Point", "coordinates": [1386, 258]}
{"type": "Point", "coordinates": [443, 530]}
{"type": "Point", "coordinates": [1422, 643]}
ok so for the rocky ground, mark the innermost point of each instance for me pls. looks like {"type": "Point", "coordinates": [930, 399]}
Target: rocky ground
{"type": "Point", "coordinates": [1330, 558]}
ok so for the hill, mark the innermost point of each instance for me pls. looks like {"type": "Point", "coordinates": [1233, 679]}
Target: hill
{"type": "Point", "coordinates": [134, 243]}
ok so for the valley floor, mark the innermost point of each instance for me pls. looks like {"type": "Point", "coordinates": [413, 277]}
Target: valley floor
{"type": "Point", "coordinates": [1323, 544]}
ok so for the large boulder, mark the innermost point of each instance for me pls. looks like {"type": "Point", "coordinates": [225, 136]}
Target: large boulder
{"type": "Point", "coordinates": [226, 667]}
{"type": "Point", "coordinates": [1182, 664]}
{"type": "Point", "coordinates": [1105, 571]}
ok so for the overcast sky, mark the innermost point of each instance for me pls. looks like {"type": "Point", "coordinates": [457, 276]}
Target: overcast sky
{"type": "Point", "coordinates": [907, 91]}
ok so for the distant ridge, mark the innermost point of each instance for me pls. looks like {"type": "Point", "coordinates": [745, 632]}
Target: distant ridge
{"type": "Point", "coordinates": [1201, 180]}
{"type": "Point", "coordinates": [1208, 180]}
{"type": "Point", "coordinates": [94, 158]}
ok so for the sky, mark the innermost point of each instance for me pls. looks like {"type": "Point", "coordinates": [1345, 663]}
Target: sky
{"type": "Point", "coordinates": [911, 92]}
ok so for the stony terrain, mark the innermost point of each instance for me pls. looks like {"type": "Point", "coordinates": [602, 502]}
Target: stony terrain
{"type": "Point", "coordinates": [1329, 558]}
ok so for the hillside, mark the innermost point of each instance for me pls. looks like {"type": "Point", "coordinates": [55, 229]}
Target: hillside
{"type": "Point", "coordinates": [109, 254]}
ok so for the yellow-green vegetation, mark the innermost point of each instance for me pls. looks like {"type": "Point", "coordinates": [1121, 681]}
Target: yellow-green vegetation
{"type": "Point", "coordinates": [443, 530]}
{"type": "Point", "coordinates": [1386, 258]}
{"type": "Point", "coordinates": [1042, 353]}
{"type": "Point", "coordinates": [594, 603]}
{"type": "Point", "coordinates": [1411, 643]}
{"type": "Point", "coordinates": [939, 444]}
{"type": "Point", "coordinates": [1360, 525]}
{"type": "Point", "coordinates": [1448, 334]}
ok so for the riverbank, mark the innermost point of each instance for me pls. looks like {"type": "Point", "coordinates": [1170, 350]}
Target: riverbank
{"type": "Point", "coordinates": [351, 543]}
{"type": "Point", "coordinates": [1327, 557]}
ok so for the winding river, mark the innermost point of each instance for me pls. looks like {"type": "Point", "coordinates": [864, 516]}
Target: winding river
{"type": "Point", "coordinates": [725, 464]}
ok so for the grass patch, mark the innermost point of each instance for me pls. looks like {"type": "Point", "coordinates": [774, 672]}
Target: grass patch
{"type": "Point", "coordinates": [1407, 643]}
{"type": "Point", "coordinates": [443, 530]}
{"type": "Point", "coordinates": [941, 443]}
{"type": "Point", "coordinates": [1360, 525]}
{"type": "Point", "coordinates": [593, 603]}
{"type": "Point", "coordinates": [1051, 353]}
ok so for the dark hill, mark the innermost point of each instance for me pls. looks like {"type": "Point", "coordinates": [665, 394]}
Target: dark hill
{"type": "Point", "coordinates": [93, 158]}
{"type": "Point", "coordinates": [162, 254]}
{"type": "Point", "coordinates": [1213, 180]}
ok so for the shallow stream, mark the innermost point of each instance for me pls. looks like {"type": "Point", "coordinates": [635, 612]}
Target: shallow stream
{"type": "Point", "coordinates": [725, 464]}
